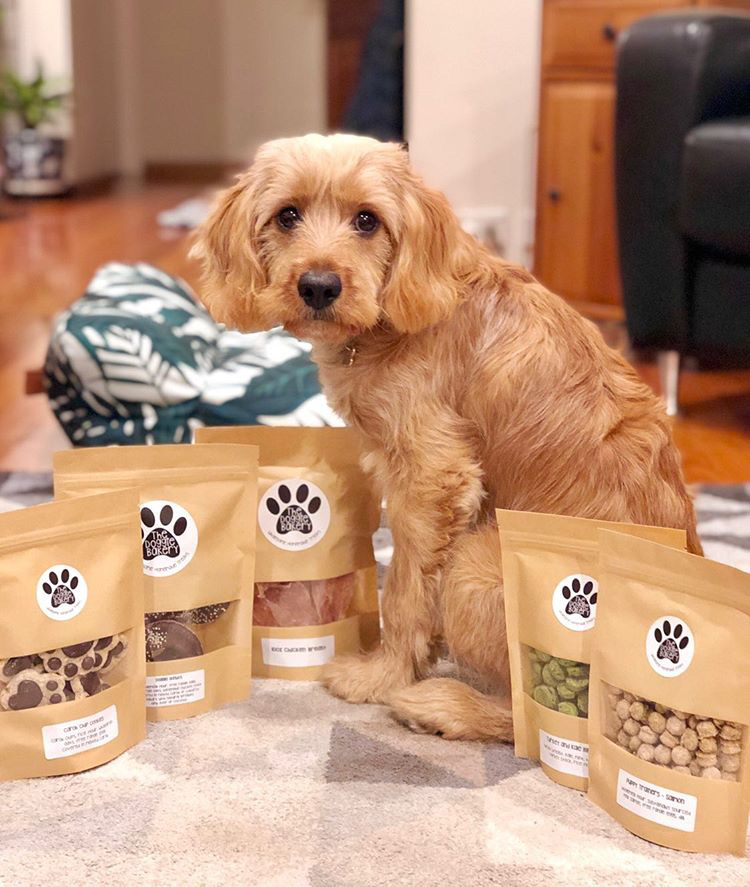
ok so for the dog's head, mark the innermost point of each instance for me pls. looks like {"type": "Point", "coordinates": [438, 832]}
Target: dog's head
{"type": "Point", "coordinates": [329, 236]}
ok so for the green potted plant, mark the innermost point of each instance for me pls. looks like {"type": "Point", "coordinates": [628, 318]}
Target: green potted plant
{"type": "Point", "coordinates": [34, 157]}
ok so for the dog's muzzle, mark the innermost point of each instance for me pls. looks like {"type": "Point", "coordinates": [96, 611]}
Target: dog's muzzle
{"type": "Point", "coordinates": [319, 289]}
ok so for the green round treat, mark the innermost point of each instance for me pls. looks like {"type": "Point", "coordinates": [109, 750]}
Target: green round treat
{"type": "Point", "coordinates": [568, 663]}
{"type": "Point", "coordinates": [565, 693]}
{"type": "Point", "coordinates": [532, 654]}
{"type": "Point", "coordinates": [542, 657]}
{"type": "Point", "coordinates": [577, 684]}
{"type": "Point", "coordinates": [568, 708]}
{"type": "Point", "coordinates": [582, 701]}
{"type": "Point", "coordinates": [579, 670]}
{"type": "Point", "coordinates": [546, 696]}
{"type": "Point", "coordinates": [553, 673]}
{"type": "Point", "coordinates": [536, 673]}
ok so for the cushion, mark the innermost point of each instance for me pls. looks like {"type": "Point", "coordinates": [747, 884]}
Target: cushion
{"type": "Point", "coordinates": [138, 360]}
{"type": "Point", "coordinates": [715, 199]}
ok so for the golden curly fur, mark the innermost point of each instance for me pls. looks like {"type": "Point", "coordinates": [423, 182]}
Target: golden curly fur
{"type": "Point", "coordinates": [472, 386]}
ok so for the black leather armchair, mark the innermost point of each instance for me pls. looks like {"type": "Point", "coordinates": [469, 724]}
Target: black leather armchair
{"type": "Point", "coordinates": [682, 149]}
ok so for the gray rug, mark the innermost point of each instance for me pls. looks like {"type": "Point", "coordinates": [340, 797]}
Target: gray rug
{"type": "Point", "coordinates": [296, 789]}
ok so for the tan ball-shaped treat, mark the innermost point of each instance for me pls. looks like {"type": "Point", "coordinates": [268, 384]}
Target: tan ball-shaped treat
{"type": "Point", "coordinates": [692, 722]}
{"type": "Point", "coordinates": [623, 739]}
{"type": "Point", "coordinates": [708, 746]}
{"type": "Point", "coordinates": [657, 722]}
{"type": "Point", "coordinates": [731, 733]}
{"type": "Point", "coordinates": [631, 727]}
{"type": "Point", "coordinates": [729, 763]}
{"type": "Point", "coordinates": [634, 744]}
{"type": "Point", "coordinates": [685, 770]}
{"type": "Point", "coordinates": [663, 755]}
{"type": "Point", "coordinates": [647, 735]}
{"type": "Point", "coordinates": [711, 773]}
{"type": "Point", "coordinates": [682, 715]}
{"type": "Point", "coordinates": [729, 748]}
{"type": "Point", "coordinates": [706, 729]}
{"type": "Point", "coordinates": [681, 756]}
{"type": "Point", "coordinates": [670, 741]}
{"type": "Point", "coordinates": [695, 768]}
{"type": "Point", "coordinates": [675, 725]}
{"type": "Point", "coordinates": [623, 709]}
{"type": "Point", "coordinates": [706, 760]}
{"type": "Point", "coordinates": [730, 777]}
{"type": "Point", "coordinates": [645, 752]}
{"type": "Point", "coordinates": [689, 739]}
{"type": "Point", "coordinates": [637, 711]}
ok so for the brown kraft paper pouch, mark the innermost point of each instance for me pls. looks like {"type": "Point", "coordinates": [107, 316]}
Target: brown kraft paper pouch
{"type": "Point", "coordinates": [196, 503]}
{"type": "Point", "coordinates": [315, 591]}
{"type": "Point", "coordinates": [550, 572]}
{"type": "Point", "coordinates": [670, 701]}
{"type": "Point", "coordinates": [72, 670]}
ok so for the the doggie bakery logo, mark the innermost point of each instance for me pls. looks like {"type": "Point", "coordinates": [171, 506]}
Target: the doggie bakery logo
{"type": "Point", "coordinates": [169, 537]}
{"type": "Point", "coordinates": [61, 592]}
{"type": "Point", "coordinates": [574, 602]}
{"type": "Point", "coordinates": [669, 646]}
{"type": "Point", "coordinates": [294, 514]}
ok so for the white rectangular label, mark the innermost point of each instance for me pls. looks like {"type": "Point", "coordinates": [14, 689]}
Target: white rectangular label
{"type": "Point", "coordinates": [72, 737]}
{"type": "Point", "coordinates": [298, 652]}
{"type": "Point", "coordinates": [565, 755]}
{"type": "Point", "coordinates": [175, 689]}
{"type": "Point", "coordinates": [657, 804]}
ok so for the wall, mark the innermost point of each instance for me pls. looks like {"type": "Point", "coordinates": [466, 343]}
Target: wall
{"type": "Point", "coordinates": [472, 83]}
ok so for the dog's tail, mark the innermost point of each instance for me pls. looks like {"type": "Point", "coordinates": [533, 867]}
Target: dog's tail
{"type": "Point", "coordinates": [453, 709]}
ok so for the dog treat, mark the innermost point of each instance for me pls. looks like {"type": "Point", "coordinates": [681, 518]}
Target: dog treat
{"type": "Point", "coordinates": [197, 616]}
{"type": "Point", "coordinates": [559, 684]}
{"type": "Point", "coordinates": [60, 675]}
{"type": "Point", "coordinates": [30, 688]}
{"type": "Point", "coordinates": [16, 664]}
{"type": "Point", "coordinates": [316, 602]}
{"type": "Point", "coordinates": [167, 639]}
{"type": "Point", "coordinates": [663, 736]}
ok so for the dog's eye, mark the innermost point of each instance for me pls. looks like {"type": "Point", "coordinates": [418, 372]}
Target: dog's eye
{"type": "Point", "coordinates": [366, 222]}
{"type": "Point", "coordinates": [288, 217]}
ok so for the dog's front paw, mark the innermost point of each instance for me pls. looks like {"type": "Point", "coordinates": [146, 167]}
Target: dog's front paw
{"type": "Point", "coordinates": [363, 678]}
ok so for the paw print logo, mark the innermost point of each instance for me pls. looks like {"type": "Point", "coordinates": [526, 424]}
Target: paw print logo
{"type": "Point", "coordinates": [160, 539]}
{"type": "Point", "coordinates": [670, 641]}
{"type": "Point", "coordinates": [61, 589]}
{"type": "Point", "coordinates": [574, 602]}
{"type": "Point", "coordinates": [294, 514]}
{"type": "Point", "coordinates": [669, 646]}
{"type": "Point", "coordinates": [580, 597]}
{"type": "Point", "coordinates": [169, 537]}
{"type": "Point", "coordinates": [61, 592]}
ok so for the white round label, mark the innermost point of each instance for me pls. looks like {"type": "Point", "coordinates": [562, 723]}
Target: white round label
{"type": "Point", "coordinates": [574, 602]}
{"type": "Point", "coordinates": [61, 592]}
{"type": "Point", "coordinates": [669, 646]}
{"type": "Point", "coordinates": [169, 537]}
{"type": "Point", "coordinates": [294, 514]}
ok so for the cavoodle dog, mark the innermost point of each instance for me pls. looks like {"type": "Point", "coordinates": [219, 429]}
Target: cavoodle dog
{"type": "Point", "coordinates": [471, 384]}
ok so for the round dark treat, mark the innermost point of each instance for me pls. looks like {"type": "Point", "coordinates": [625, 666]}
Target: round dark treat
{"type": "Point", "coordinates": [113, 656]}
{"type": "Point", "coordinates": [55, 698]}
{"type": "Point", "coordinates": [207, 614]}
{"type": "Point", "coordinates": [167, 639]}
{"type": "Point", "coordinates": [103, 642]}
{"type": "Point", "coordinates": [54, 664]}
{"type": "Point", "coordinates": [91, 683]}
{"type": "Point", "coordinates": [173, 615]}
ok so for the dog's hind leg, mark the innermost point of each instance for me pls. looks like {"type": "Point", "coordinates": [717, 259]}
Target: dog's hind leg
{"type": "Point", "coordinates": [473, 623]}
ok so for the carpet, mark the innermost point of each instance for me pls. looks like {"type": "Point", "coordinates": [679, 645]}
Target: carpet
{"type": "Point", "coordinates": [296, 789]}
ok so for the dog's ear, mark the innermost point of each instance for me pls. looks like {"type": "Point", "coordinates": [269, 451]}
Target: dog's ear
{"type": "Point", "coordinates": [431, 253]}
{"type": "Point", "coordinates": [226, 244]}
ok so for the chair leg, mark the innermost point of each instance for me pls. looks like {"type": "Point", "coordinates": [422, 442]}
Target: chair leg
{"type": "Point", "coordinates": [669, 374]}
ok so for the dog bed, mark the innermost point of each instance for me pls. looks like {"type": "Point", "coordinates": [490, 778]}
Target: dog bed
{"type": "Point", "coordinates": [138, 360]}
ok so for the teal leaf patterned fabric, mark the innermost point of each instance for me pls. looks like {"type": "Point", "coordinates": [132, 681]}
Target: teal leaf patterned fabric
{"type": "Point", "coordinates": [138, 360]}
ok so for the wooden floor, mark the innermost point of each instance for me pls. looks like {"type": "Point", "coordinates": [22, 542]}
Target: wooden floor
{"type": "Point", "coordinates": [49, 250]}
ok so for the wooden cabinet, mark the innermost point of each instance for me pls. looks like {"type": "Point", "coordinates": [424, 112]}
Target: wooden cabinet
{"type": "Point", "coordinates": [576, 246]}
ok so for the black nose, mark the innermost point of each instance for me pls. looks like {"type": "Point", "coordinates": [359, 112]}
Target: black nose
{"type": "Point", "coordinates": [319, 288]}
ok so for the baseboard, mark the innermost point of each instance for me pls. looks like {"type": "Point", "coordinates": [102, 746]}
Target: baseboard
{"type": "Point", "coordinates": [207, 173]}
